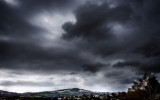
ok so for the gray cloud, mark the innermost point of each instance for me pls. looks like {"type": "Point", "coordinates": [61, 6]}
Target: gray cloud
{"type": "Point", "coordinates": [26, 83]}
{"type": "Point", "coordinates": [127, 63]}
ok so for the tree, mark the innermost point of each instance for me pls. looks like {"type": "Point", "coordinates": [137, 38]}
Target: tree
{"type": "Point", "coordinates": [146, 86]}
{"type": "Point", "coordinates": [133, 95]}
{"type": "Point", "coordinates": [122, 96]}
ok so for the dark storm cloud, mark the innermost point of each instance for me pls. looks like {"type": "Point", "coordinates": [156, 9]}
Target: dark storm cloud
{"type": "Point", "coordinates": [41, 4]}
{"type": "Point", "coordinates": [93, 67]}
{"type": "Point", "coordinates": [13, 19]}
{"type": "Point", "coordinates": [92, 26]}
{"type": "Point", "coordinates": [143, 40]}
{"type": "Point", "coordinates": [17, 30]}
{"type": "Point", "coordinates": [24, 53]}
{"type": "Point", "coordinates": [120, 77]}
{"type": "Point", "coordinates": [21, 49]}
{"type": "Point", "coordinates": [127, 63]}
{"type": "Point", "coordinates": [33, 7]}
{"type": "Point", "coordinates": [24, 56]}
{"type": "Point", "coordinates": [92, 20]}
{"type": "Point", "coordinates": [151, 65]}
{"type": "Point", "coordinates": [148, 20]}
{"type": "Point", "coordinates": [149, 49]}
{"type": "Point", "coordinates": [13, 25]}
{"type": "Point", "coordinates": [125, 34]}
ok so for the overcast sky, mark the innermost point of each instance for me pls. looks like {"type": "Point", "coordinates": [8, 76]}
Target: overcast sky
{"type": "Point", "coordinates": [98, 45]}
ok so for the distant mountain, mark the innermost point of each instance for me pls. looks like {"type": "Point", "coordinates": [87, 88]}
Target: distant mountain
{"type": "Point", "coordinates": [52, 94]}
{"type": "Point", "coordinates": [59, 93]}
{"type": "Point", "coordinates": [8, 94]}
{"type": "Point", "coordinates": [73, 90]}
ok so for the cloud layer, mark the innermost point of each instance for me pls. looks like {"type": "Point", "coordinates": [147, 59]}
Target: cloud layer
{"type": "Point", "coordinates": [100, 45]}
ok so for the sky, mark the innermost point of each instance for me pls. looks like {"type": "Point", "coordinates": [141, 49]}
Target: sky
{"type": "Point", "coordinates": [98, 45]}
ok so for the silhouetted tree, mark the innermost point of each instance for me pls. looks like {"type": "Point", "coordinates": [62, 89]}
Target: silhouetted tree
{"type": "Point", "coordinates": [146, 86]}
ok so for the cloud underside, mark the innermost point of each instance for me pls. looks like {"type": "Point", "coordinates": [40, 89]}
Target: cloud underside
{"type": "Point", "coordinates": [105, 40]}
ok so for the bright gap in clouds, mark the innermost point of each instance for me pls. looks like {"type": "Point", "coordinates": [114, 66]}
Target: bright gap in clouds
{"type": "Point", "coordinates": [52, 22]}
{"type": "Point", "coordinates": [33, 82]}
{"type": "Point", "coordinates": [30, 82]}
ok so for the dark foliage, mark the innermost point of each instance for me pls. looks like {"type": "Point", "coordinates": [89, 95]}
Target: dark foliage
{"type": "Point", "coordinates": [146, 86]}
